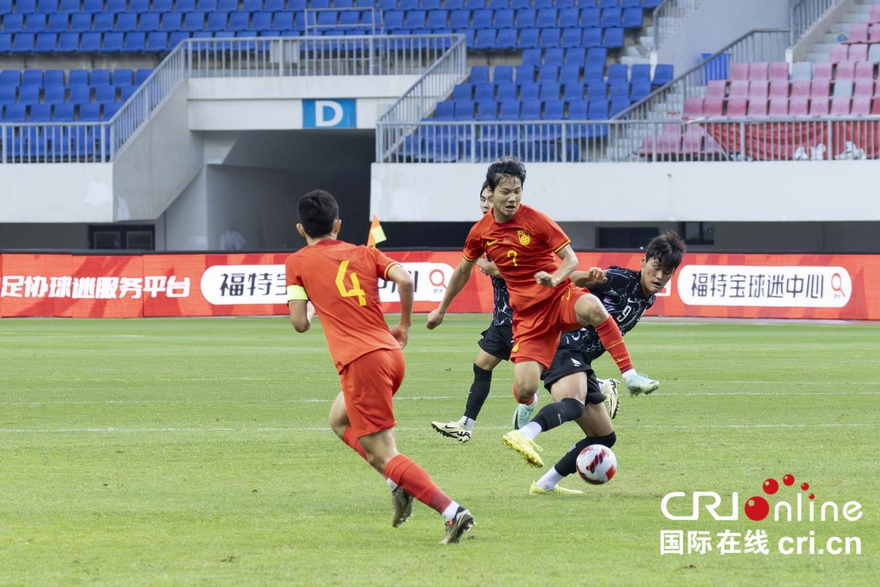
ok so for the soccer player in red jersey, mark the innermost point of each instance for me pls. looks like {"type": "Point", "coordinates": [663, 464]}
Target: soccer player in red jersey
{"type": "Point", "coordinates": [340, 280]}
{"type": "Point", "coordinates": [525, 244]}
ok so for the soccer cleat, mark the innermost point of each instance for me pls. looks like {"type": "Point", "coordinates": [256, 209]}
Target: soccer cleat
{"type": "Point", "coordinates": [402, 502]}
{"type": "Point", "coordinates": [638, 384]}
{"type": "Point", "coordinates": [527, 447]}
{"type": "Point", "coordinates": [452, 430]}
{"type": "Point", "coordinates": [535, 490]}
{"type": "Point", "coordinates": [609, 388]}
{"type": "Point", "coordinates": [523, 415]}
{"type": "Point", "coordinates": [457, 526]}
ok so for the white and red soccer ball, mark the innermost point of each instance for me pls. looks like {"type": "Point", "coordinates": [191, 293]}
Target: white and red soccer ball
{"type": "Point", "coordinates": [597, 464]}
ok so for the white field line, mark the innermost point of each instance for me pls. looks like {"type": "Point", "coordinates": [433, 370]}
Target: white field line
{"type": "Point", "coordinates": [114, 430]}
{"type": "Point", "coordinates": [328, 400]}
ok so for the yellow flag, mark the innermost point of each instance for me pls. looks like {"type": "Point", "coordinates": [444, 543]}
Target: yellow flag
{"type": "Point", "coordinates": [377, 235]}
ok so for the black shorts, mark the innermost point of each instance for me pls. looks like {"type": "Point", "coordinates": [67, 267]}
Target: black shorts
{"type": "Point", "coordinates": [497, 341]}
{"type": "Point", "coordinates": [567, 362]}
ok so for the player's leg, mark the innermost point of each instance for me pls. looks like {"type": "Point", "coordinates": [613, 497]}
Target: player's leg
{"type": "Point", "coordinates": [341, 425]}
{"type": "Point", "coordinates": [485, 362]}
{"type": "Point", "coordinates": [590, 312]}
{"type": "Point", "coordinates": [569, 395]}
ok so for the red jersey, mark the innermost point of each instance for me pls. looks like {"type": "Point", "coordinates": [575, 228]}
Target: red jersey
{"type": "Point", "coordinates": [520, 248]}
{"type": "Point", "coordinates": [340, 279]}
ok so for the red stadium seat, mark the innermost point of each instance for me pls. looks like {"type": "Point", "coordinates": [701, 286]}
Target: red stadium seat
{"type": "Point", "coordinates": [779, 70]}
{"type": "Point", "coordinates": [759, 89]}
{"type": "Point", "coordinates": [839, 53]}
{"type": "Point", "coordinates": [757, 108]}
{"type": "Point", "coordinates": [823, 70]}
{"type": "Point", "coordinates": [716, 89]}
{"type": "Point", "coordinates": [799, 106]}
{"type": "Point", "coordinates": [736, 107]}
{"type": "Point", "coordinates": [864, 88]}
{"type": "Point", "coordinates": [819, 106]}
{"type": "Point", "coordinates": [739, 89]}
{"type": "Point", "coordinates": [858, 52]}
{"type": "Point", "coordinates": [779, 88]}
{"type": "Point", "coordinates": [840, 107]}
{"type": "Point", "coordinates": [864, 70]}
{"type": "Point", "coordinates": [861, 106]}
{"type": "Point", "coordinates": [874, 33]}
{"type": "Point", "coordinates": [759, 70]}
{"type": "Point", "coordinates": [800, 88]}
{"type": "Point", "coordinates": [779, 108]}
{"type": "Point", "coordinates": [693, 108]}
{"type": "Point", "coordinates": [692, 144]}
{"type": "Point", "coordinates": [846, 70]}
{"type": "Point", "coordinates": [820, 89]}
{"type": "Point", "coordinates": [739, 72]}
{"type": "Point", "coordinates": [858, 33]}
{"type": "Point", "coordinates": [875, 107]}
{"type": "Point", "coordinates": [713, 108]}
{"type": "Point", "coordinates": [875, 13]}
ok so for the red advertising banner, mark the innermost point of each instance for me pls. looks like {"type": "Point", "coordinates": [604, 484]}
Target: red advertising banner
{"type": "Point", "coordinates": [707, 285]}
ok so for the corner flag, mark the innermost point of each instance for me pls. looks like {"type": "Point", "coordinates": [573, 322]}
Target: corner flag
{"type": "Point", "coordinates": [377, 235]}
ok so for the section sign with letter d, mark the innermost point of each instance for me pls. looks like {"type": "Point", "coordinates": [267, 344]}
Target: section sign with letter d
{"type": "Point", "coordinates": [329, 113]}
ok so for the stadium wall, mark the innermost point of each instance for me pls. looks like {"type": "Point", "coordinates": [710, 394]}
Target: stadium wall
{"type": "Point", "coordinates": [706, 285]}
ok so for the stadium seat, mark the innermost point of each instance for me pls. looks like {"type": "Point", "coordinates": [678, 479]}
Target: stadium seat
{"type": "Point", "coordinates": [857, 53]}
{"type": "Point", "coordinates": [861, 106]}
{"type": "Point", "coordinates": [839, 53]}
{"type": "Point", "coordinates": [737, 107]}
{"type": "Point", "coordinates": [716, 89]}
{"type": "Point", "coordinates": [823, 70]}
{"type": "Point", "coordinates": [799, 106]}
{"type": "Point", "coordinates": [858, 33]}
{"type": "Point", "coordinates": [46, 43]}
{"type": "Point", "coordinates": [757, 108]}
{"type": "Point", "coordinates": [820, 89]}
{"type": "Point", "coordinates": [779, 89]}
{"type": "Point", "coordinates": [840, 106]}
{"type": "Point", "coordinates": [819, 106]}
{"type": "Point", "coordinates": [779, 70]}
{"type": "Point", "coordinates": [613, 39]}
{"type": "Point", "coordinates": [864, 88]}
{"type": "Point", "coordinates": [845, 70]}
{"type": "Point", "coordinates": [843, 88]}
{"type": "Point", "coordinates": [738, 72]}
{"type": "Point", "coordinates": [693, 108]}
{"type": "Point", "coordinates": [739, 89]}
{"type": "Point", "coordinates": [759, 70]}
{"type": "Point", "coordinates": [778, 108]}
{"type": "Point", "coordinates": [759, 89]}
{"type": "Point", "coordinates": [802, 70]}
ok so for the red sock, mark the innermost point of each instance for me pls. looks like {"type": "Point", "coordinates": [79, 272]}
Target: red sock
{"type": "Point", "coordinates": [416, 482]}
{"type": "Point", "coordinates": [612, 340]}
{"type": "Point", "coordinates": [351, 440]}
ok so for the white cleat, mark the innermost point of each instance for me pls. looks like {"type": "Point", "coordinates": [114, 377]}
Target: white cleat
{"type": "Point", "coordinates": [610, 388]}
{"type": "Point", "coordinates": [452, 430]}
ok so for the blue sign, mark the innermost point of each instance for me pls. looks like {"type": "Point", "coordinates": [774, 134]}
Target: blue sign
{"type": "Point", "coordinates": [329, 113]}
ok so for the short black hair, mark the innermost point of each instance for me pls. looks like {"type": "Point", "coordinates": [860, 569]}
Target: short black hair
{"type": "Point", "coordinates": [510, 166]}
{"type": "Point", "coordinates": [484, 186]}
{"type": "Point", "coordinates": [318, 211]}
{"type": "Point", "coordinates": [667, 249]}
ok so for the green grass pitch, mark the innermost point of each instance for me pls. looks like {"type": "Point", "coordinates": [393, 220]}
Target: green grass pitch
{"type": "Point", "coordinates": [196, 452]}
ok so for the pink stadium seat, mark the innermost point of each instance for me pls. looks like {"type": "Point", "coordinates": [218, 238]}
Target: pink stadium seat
{"type": "Point", "coordinates": [669, 141]}
{"type": "Point", "coordinates": [864, 88]}
{"type": "Point", "coordinates": [861, 106]}
{"type": "Point", "coordinates": [864, 70]}
{"type": "Point", "coordinates": [800, 89]}
{"type": "Point", "coordinates": [820, 89]}
{"type": "Point", "coordinates": [693, 108]}
{"type": "Point", "coordinates": [819, 107]}
{"type": "Point", "coordinates": [739, 89]}
{"type": "Point", "coordinates": [858, 53]}
{"type": "Point", "coordinates": [779, 88]}
{"type": "Point", "coordinates": [736, 107]}
{"type": "Point", "coordinates": [840, 107]}
{"type": "Point", "coordinates": [758, 108]}
{"type": "Point", "coordinates": [874, 33]}
{"type": "Point", "coordinates": [823, 70]}
{"type": "Point", "coordinates": [846, 70]}
{"type": "Point", "coordinates": [779, 70]}
{"type": "Point", "coordinates": [778, 108]}
{"type": "Point", "coordinates": [759, 70]}
{"type": "Point", "coordinates": [716, 89]}
{"type": "Point", "coordinates": [875, 13]}
{"type": "Point", "coordinates": [713, 107]}
{"type": "Point", "coordinates": [758, 89]}
{"type": "Point", "coordinates": [858, 33]}
{"type": "Point", "coordinates": [799, 106]}
{"type": "Point", "coordinates": [839, 53]}
{"type": "Point", "coordinates": [875, 106]}
{"type": "Point", "coordinates": [739, 72]}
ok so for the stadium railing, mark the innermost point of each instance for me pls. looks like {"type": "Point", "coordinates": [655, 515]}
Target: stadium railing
{"type": "Point", "coordinates": [803, 14]}
{"type": "Point", "coordinates": [368, 55]}
{"type": "Point", "coordinates": [668, 18]}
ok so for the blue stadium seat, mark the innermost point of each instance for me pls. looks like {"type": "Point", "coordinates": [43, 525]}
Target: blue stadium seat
{"type": "Point", "coordinates": [498, 4]}
{"type": "Point", "coordinates": [319, 3]}
{"type": "Point", "coordinates": [80, 93]}
{"type": "Point", "coordinates": [487, 110]}
{"type": "Point", "coordinates": [171, 22]}
{"type": "Point", "coordinates": [386, 5]}
{"type": "Point", "coordinates": [504, 18]}
{"type": "Point", "coordinates": [58, 23]}
{"type": "Point", "coordinates": [227, 6]}
{"type": "Point", "coordinates": [63, 113]}
{"type": "Point", "coordinates": [155, 42]}
{"type": "Point", "coordinates": [437, 19]}
{"type": "Point", "coordinates": [632, 18]}
{"type": "Point", "coordinates": [29, 94]}
{"type": "Point", "coordinates": [126, 92]}
{"type": "Point", "coordinates": [611, 17]}
{"type": "Point", "coordinates": [640, 72]}
{"type": "Point", "coordinates": [69, 6]}
{"type": "Point", "coordinates": [47, 42]}
{"type": "Point", "coordinates": [525, 73]}
{"type": "Point", "coordinates": [296, 5]}
{"type": "Point", "coordinates": [618, 89]}
{"type": "Point", "coordinates": [185, 5]}
{"type": "Point", "coordinates": [111, 109]}
{"type": "Point", "coordinates": [105, 93]}
{"type": "Point", "coordinates": [139, 6]}
{"type": "Point", "coordinates": [597, 88]}
{"type": "Point", "coordinates": [548, 73]}
{"type": "Point", "coordinates": [590, 17]}
{"type": "Point", "coordinates": [121, 77]}
{"type": "Point", "coordinates": [8, 94]}
{"type": "Point", "coordinates": [464, 110]}
{"type": "Point", "coordinates": [458, 19]}
{"type": "Point", "coordinates": [283, 21]}
{"type": "Point", "coordinates": [533, 57]}
{"type": "Point", "coordinates": [23, 42]}
{"type": "Point", "coordinates": [510, 110]}
{"type": "Point", "coordinates": [126, 22]}
{"type": "Point", "coordinates": [104, 22]}
{"type": "Point", "coordinates": [134, 42]}
{"type": "Point", "coordinates": [529, 91]}
{"type": "Point", "coordinates": [141, 76]}
{"type": "Point", "coordinates": [10, 77]}
{"type": "Point", "coordinates": [550, 91]}
{"type": "Point", "coordinates": [528, 38]}
{"type": "Point", "coordinates": [531, 110]}
{"type": "Point", "coordinates": [207, 6]}
{"type": "Point", "coordinates": [13, 23]}
{"type": "Point", "coordinates": [607, 3]}
{"type": "Point", "coordinates": [78, 76]}
{"type": "Point", "coordinates": [525, 18]}
{"type": "Point", "coordinates": [592, 38]}
{"type": "Point", "coordinates": [553, 56]}
{"type": "Point", "coordinates": [15, 113]}
{"type": "Point", "coordinates": [479, 74]}
{"type": "Point", "coordinates": [415, 20]}
{"type": "Point", "coordinates": [547, 18]}
{"type": "Point", "coordinates": [193, 21]}
{"type": "Point", "coordinates": [408, 4]}
{"type": "Point", "coordinates": [618, 71]}
{"type": "Point", "coordinates": [597, 55]}
{"type": "Point", "coordinates": [174, 39]}
{"type": "Point", "coordinates": [445, 111]}
{"type": "Point", "coordinates": [570, 73]}
{"type": "Point", "coordinates": [483, 92]}
{"type": "Point", "coordinates": [474, 4]}
{"type": "Point", "coordinates": [68, 42]}
{"type": "Point", "coordinates": [336, 4]}
{"type": "Point", "coordinates": [32, 77]}
{"type": "Point", "coordinates": [663, 74]}
{"type": "Point", "coordinates": [53, 77]}
{"type": "Point", "coordinates": [99, 77]}
{"type": "Point", "coordinates": [554, 109]}
{"type": "Point", "coordinates": [424, 4]}
{"type": "Point", "coordinates": [162, 5]}
{"type": "Point", "coordinates": [482, 19]}
{"type": "Point", "coordinates": [26, 6]}
{"type": "Point", "coordinates": [463, 92]}
{"type": "Point", "coordinates": [90, 112]}
{"type": "Point", "coordinates": [506, 39]}
{"type": "Point", "coordinates": [90, 43]}
{"type": "Point", "coordinates": [613, 39]}
{"type": "Point", "coordinates": [217, 21]}
{"type": "Point", "coordinates": [651, 4]}
{"type": "Point", "coordinates": [506, 91]}
{"type": "Point", "coordinates": [41, 113]}
{"type": "Point", "coordinates": [115, 6]}
{"type": "Point", "coordinates": [502, 73]}
{"type": "Point", "coordinates": [571, 37]}
{"type": "Point", "coordinates": [485, 39]}
{"type": "Point", "coordinates": [81, 22]}
{"type": "Point", "coordinates": [640, 90]}
{"type": "Point", "coordinates": [570, 17]}
{"type": "Point", "coordinates": [573, 91]}
{"type": "Point", "coordinates": [618, 105]}
{"type": "Point", "coordinates": [598, 109]}
{"type": "Point", "coordinates": [550, 37]}
{"type": "Point", "coordinates": [148, 22]}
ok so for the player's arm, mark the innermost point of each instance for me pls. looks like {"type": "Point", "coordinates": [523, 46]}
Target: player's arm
{"type": "Point", "coordinates": [589, 279]}
{"type": "Point", "coordinates": [566, 268]}
{"type": "Point", "coordinates": [488, 267]}
{"type": "Point", "coordinates": [301, 314]}
{"type": "Point", "coordinates": [459, 279]}
{"type": "Point", "coordinates": [404, 282]}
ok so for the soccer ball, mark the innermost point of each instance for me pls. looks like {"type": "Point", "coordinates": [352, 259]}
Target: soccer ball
{"type": "Point", "coordinates": [596, 464]}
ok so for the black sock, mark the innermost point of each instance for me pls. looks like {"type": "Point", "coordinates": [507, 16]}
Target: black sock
{"type": "Point", "coordinates": [478, 393]}
{"type": "Point", "coordinates": [558, 413]}
{"type": "Point", "coordinates": [568, 464]}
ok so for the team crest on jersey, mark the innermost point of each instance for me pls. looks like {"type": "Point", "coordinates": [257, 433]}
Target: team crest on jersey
{"type": "Point", "coordinates": [524, 237]}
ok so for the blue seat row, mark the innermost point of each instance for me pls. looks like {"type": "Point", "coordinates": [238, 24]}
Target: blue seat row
{"type": "Point", "coordinates": [70, 112]}
{"type": "Point", "coordinates": [558, 68]}
{"type": "Point", "coordinates": [509, 18]}
{"type": "Point", "coordinates": [514, 4]}
{"type": "Point", "coordinates": [542, 38]}
{"type": "Point", "coordinates": [122, 6]}
{"type": "Point", "coordinates": [56, 77]}
{"type": "Point", "coordinates": [554, 109]}
{"type": "Point", "coordinates": [566, 90]}
{"type": "Point", "coordinates": [33, 95]}
{"type": "Point", "coordinates": [83, 22]}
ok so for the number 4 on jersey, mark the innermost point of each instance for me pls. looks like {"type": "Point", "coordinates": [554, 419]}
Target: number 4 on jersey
{"type": "Point", "coordinates": [355, 291]}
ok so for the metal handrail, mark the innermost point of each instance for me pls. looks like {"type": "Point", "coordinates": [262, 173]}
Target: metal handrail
{"type": "Point", "coordinates": [756, 45]}
{"type": "Point", "coordinates": [803, 14]}
{"type": "Point", "coordinates": [55, 142]}
{"type": "Point", "coordinates": [668, 16]}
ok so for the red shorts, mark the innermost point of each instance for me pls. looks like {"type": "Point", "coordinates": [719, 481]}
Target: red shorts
{"type": "Point", "coordinates": [368, 384]}
{"type": "Point", "coordinates": [537, 330]}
